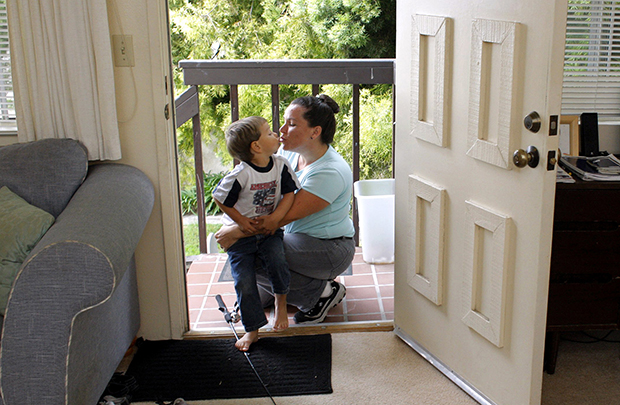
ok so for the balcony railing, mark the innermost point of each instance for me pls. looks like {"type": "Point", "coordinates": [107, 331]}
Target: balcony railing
{"type": "Point", "coordinates": [354, 72]}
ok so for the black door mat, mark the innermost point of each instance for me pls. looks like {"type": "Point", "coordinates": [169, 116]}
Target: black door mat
{"type": "Point", "coordinates": [215, 369]}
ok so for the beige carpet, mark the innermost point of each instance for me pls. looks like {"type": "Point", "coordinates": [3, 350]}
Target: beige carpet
{"type": "Point", "coordinates": [586, 373]}
{"type": "Point", "coordinates": [377, 368]}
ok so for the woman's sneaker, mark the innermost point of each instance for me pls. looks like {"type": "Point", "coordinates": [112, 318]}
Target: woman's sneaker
{"type": "Point", "coordinates": [110, 400]}
{"type": "Point", "coordinates": [320, 310]}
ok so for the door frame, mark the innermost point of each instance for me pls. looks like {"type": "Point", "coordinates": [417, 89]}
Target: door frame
{"type": "Point", "coordinates": [168, 179]}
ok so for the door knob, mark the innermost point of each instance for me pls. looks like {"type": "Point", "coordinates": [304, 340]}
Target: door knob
{"type": "Point", "coordinates": [521, 158]}
{"type": "Point", "coordinates": [532, 122]}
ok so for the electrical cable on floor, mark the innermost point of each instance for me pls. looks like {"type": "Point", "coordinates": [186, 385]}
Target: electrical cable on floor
{"type": "Point", "coordinates": [604, 338]}
{"type": "Point", "coordinates": [594, 339]}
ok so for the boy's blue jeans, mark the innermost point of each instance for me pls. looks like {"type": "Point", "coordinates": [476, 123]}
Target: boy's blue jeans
{"type": "Point", "coordinates": [312, 262]}
{"type": "Point", "coordinates": [243, 254]}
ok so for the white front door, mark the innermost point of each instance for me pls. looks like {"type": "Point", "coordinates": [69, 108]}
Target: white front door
{"type": "Point", "coordinates": [473, 230]}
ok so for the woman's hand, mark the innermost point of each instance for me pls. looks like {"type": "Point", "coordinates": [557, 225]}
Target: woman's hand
{"type": "Point", "coordinates": [268, 224]}
{"type": "Point", "coordinates": [228, 235]}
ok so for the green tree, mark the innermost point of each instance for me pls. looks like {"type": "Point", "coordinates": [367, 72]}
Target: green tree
{"type": "Point", "coordinates": [284, 29]}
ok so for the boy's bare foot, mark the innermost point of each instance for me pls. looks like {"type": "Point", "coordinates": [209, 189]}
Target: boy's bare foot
{"type": "Point", "coordinates": [244, 343]}
{"type": "Point", "coordinates": [281, 321]}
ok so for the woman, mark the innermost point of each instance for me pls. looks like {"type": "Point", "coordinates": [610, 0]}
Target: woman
{"type": "Point", "coordinates": [318, 240]}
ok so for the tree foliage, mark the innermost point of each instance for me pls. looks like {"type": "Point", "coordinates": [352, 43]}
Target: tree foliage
{"type": "Point", "coordinates": [286, 29]}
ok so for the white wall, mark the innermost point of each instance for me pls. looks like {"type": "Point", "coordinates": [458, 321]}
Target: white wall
{"type": "Point", "coordinates": [609, 138]}
{"type": "Point", "coordinates": [7, 139]}
{"type": "Point", "coordinates": [148, 144]}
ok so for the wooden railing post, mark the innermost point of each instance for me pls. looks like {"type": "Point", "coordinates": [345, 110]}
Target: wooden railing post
{"type": "Point", "coordinates": [275, 108]}
{"type": "Point", "coordinates": [356, 155]}
{"type": "Point", "coordinates": [200, 184]}
{"type": "Point", "coordinates": [393, 131]}
{"type": "Point", "coordinates": [187, 106]}
{"type": "Point", "coordinates": [234, 103]}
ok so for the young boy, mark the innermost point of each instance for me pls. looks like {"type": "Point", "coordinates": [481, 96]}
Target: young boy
{"type": "Point", "coordinates": [261, 185]}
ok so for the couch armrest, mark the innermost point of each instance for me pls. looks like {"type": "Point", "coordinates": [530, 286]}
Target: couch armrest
{"type": "Point", "coordinates": [76, 265]}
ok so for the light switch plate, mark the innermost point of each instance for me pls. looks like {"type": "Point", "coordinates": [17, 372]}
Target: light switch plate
{"type": "Point", "coordinates": [122, 46]}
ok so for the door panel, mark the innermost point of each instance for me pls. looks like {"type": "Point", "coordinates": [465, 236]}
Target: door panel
{"type": "Point", "coordinates": [473, 248]}
{"type": "Point", "coordinates": [431, 40]}
{"type": "Point", "coordinates": [487, 243]}
{"type": "Point", "coordinates": [490, 92]}
{"type": "Point", "coordinates": [427, 212]}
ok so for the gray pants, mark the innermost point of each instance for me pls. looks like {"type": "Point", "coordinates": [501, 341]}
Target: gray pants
{"type": "Point", "coordinates": [313, 262]}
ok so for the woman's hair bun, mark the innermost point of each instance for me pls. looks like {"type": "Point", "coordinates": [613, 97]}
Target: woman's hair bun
{"type": "Point", "coordinates": [330, 102]}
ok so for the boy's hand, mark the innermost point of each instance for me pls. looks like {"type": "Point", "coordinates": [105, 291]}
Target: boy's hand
{"type": "Point", "coordinates": [247, 225]}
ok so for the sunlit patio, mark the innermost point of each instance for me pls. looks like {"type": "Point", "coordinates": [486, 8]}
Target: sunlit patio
{"type": "Point", "coordinates": [370, 294]}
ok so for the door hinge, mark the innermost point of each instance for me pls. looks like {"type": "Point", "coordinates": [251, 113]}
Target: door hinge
{"type": "Point", "coordinates": [167, 111]}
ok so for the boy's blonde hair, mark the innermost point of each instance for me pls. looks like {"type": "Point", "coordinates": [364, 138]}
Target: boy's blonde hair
{"type": "Point", "coordinates": [240, 135]}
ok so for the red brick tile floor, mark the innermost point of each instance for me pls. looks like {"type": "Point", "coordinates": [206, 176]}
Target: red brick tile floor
{"type": "Point", "coordinates": [370, 295]}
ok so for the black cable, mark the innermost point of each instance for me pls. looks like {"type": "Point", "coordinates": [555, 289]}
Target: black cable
{"type": "Point", "coordinates": [229, 318]}
{"type": "Point", "coordinates": [604, 338]}
{"type": "Point", "coordinates": [595, 339]}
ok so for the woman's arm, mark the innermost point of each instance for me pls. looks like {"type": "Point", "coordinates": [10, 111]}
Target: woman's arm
{"type": "Point", "coordinates": [247, 225]}
{"type": "Point", "coordinates": [228, 235]}
{"type": "Point", "coordinates": [270, 223]}
{"type": "Point", "coordinates": [305, 204]}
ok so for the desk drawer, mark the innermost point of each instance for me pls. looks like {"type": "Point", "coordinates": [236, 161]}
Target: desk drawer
{"type": "Point", "coordinates": [584, 290]}
{"type": "Point", "coordinates": [587, 205]}
{"type": "Point", "coordinates": [578, 306]}
{"type": "Point", "coordinates": [586, 252]}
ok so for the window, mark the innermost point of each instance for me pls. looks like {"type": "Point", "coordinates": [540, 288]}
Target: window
{"type": "Point", "coordinates": [592, 59]}
{"type": "Point", "coordinates": [7, 104]}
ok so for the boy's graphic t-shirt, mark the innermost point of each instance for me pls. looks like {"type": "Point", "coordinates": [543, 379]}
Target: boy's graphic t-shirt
{"type": "Point", "coordinates": [255, 191]}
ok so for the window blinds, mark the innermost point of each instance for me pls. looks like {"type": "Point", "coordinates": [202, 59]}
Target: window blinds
{"type": "Point", "coordinates": [592, 59]}
{"type": "Point", "coordinates": [7, 106]}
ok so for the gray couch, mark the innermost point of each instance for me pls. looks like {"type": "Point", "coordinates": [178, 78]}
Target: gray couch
{"type": "Point", "coordinates": [73, 308]}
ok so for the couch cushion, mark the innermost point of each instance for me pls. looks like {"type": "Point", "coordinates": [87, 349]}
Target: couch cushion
{"type": "Point", "coordinates": [21, 227]}
{"type": "Point", "coordinates": [45, 173]}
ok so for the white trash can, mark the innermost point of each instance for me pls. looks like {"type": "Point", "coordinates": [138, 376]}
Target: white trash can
{"type": "Point", "coordinates": [375, 203]}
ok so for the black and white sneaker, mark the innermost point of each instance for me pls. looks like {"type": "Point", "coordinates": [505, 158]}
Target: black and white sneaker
{"type": "Point", "coordinates": [110, 400]}
{"type": "Point", "coordinates": [320, 310]}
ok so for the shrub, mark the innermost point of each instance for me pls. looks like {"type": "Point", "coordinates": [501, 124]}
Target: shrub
{"type": "Point", "coordinates": [189, 200]}
{"type": "Point", "coordinates": [191, 241]}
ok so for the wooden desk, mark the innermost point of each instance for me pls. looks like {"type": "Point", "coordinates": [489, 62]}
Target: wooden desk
{"type": "Point", "coordinates": [584, 290]}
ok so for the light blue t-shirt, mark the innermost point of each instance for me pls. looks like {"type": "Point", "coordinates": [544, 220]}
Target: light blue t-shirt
{"type": "Point", "coordinates": [329, 178]}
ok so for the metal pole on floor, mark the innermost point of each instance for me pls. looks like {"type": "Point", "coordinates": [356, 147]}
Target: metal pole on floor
{"type": "Point", "coordinates": [229, 318]}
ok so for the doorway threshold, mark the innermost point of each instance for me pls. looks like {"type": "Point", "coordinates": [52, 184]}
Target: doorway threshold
{"type": "Point", "coordinates": [297, 330]}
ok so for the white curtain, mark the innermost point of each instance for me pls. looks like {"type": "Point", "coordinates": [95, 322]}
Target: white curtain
{"type": "Point", "coordinates": [63, 75]}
